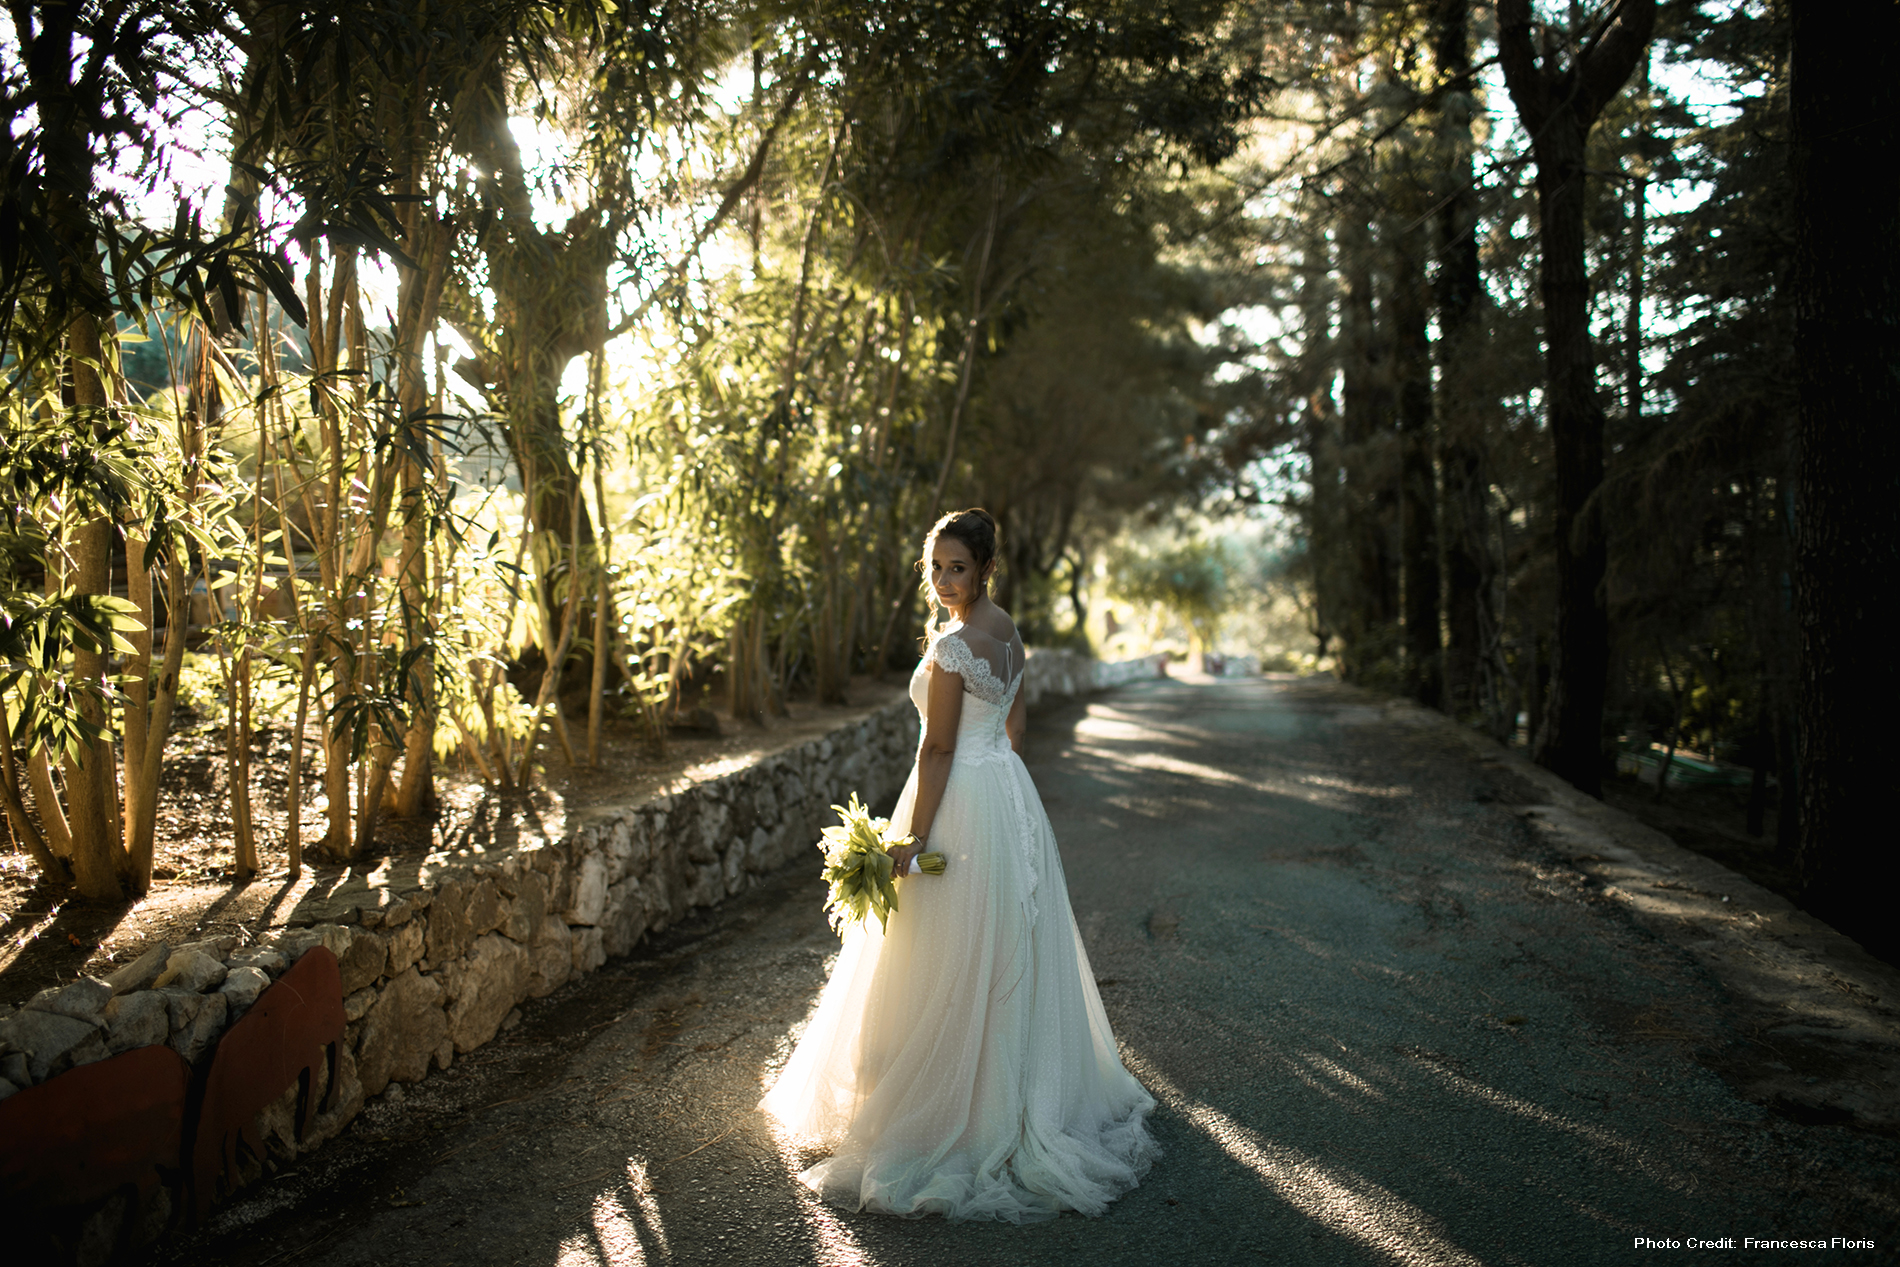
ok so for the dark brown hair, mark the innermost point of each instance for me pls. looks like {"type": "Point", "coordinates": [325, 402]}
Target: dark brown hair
{"type": "Point", "coordinates": [976, 529]}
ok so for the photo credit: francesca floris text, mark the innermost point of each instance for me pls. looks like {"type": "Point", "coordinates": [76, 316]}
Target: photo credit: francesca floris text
{"type": "Point", "coordinates": [1755, 1242]}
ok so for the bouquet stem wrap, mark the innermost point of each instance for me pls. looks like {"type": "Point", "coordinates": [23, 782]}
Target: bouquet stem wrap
{"type": "Point", "coordinates": [859, 869]}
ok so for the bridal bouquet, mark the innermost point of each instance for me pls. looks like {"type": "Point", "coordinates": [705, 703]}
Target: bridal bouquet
{"type": "Point", "coordinates": [858, 867]}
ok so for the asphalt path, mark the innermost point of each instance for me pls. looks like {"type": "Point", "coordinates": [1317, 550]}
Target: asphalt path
{"type": "Point", "coordinates": [1386, 1019]}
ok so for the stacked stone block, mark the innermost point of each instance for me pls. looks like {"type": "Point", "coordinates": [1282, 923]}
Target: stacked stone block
{"type": "Point", "coordinates": [433, 969]}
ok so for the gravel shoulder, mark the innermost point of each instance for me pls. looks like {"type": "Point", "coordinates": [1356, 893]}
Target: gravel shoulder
{"type": "Point", "coordinates": [1401, 997]}
{"type": "Point", "coordinates": [1821, 1016]}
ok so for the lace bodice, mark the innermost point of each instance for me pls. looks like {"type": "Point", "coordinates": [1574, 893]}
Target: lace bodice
{"type": "Point", "coordinates": [989, 673]}
{"type": "Point", "coordinates": [988, 690]}
{"type": "Point", "coordinates": [991, 670]}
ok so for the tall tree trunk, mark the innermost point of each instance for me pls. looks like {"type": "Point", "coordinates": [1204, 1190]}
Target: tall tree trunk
{"type": "Point", "coordinates": [92, 784]}
{"type": "Point", "coordinates": [1320, 440]}
{"type": "Point", "coordinates": [326, 327]}
{"type": "Point", "coordinates": [59, 837]}
{"type": "Point", "coordinates": [1418, 482]}
{"type": "Point", "coordinates": [67, 144]}
{"type": "Point", "coordinates": [1369, 598]}
{"type": "Point", "coordinates": [238, 746]}
{"type": "Point", "coordinates": [1638, 235]}
{"type": "Point", "coordinates": [141, 781]}
{"type": "Point", "coordinates": [1572, 739]}
{"type": "Point", "coordinates": [141, 801]}
{"type": "Point", "coordinates": [550, 306]}
{"type": "Point", "coordinates": [1846, 177]}
{"type": "Point", "coordinates": [548, 695]}
{"type": "Point", "coordinates": [420, 301]}
{"type": "Point", "coordinates": [1558, 104]}
{"type": "Point", "coordinates": [1464, 523]}
{"type": "Point", "coordinates": [604, 633]}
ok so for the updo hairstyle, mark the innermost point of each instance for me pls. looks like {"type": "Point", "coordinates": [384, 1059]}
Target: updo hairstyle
{"type": "Point", "coordinates": [976, 529]}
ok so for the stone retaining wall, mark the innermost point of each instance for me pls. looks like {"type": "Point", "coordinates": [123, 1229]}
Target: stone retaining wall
{"type": "Point", "coordinates": [436, 955]}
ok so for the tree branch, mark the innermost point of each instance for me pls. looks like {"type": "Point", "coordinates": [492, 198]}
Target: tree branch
{"type": "Point", "coordinates": [1604, 67]}
{"type": "Point", "coordinates": [1529, 83]}
{"type": "Point", "coordinates": [735, 191]}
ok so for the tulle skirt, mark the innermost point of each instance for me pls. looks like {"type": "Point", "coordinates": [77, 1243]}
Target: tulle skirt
{"type": "Point", "coordinates": [960, 1062]}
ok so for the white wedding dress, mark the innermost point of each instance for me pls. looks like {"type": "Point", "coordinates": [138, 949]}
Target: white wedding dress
{"type": "Point", "coordinates": [960, 1063]}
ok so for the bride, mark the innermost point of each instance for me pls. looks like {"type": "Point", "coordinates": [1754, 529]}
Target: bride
{"type": "Point", "coordinates": [959, 1062]}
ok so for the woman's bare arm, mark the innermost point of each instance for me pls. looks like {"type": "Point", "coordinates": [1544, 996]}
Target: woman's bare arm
{"type": "Point", "coordinates": [1017, 723]}
{"type": "Point", "coordinates": [943, 710]}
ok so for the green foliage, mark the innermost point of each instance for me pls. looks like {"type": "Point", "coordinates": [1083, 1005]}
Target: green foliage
{"type": "Point", "coordinates": [1188, 578]}
{"type": "Point", "coordinates": [35, 641]}
{"type": "Point", "coordinates": [1348, 187]}
{"type": "Point", "coordinates": [830, 270]}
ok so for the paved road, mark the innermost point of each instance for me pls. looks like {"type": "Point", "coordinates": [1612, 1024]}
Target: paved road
{"type": "Point", "coordinates": [1386, 1020]}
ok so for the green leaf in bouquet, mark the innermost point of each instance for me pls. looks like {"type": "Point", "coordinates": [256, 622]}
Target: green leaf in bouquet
{"type": "Point", "coordinates": [859, 871]}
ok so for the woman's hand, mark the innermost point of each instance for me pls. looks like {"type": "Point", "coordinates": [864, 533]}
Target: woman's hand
{"type": "Point", "coordinates": [901, 856]}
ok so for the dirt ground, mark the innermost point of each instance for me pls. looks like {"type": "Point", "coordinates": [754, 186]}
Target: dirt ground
{"type": "Point", "coordinates": [48, 935]}
{"type": "Point", "coordinates": [1713, 821]}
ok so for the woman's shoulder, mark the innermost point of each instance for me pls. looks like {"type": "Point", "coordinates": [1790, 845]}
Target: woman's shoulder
{"type": "Point", "coordinates": [951, 647]}
{"type": "Point", "coordinates": [957, 647]}
{"type": "Point", "coordinates": [994, 625]}
{"type": "Point", "coordinates": [967, 648]}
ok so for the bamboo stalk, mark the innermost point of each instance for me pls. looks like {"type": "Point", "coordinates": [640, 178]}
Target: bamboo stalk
{"type": "Point", "coordinates": [306, 657]}
{"type": "Point", "coordinates": [497, 737]}
{"type": "Point", "coordinates": [473, 749]}
{"type": "Point", "coordinates": [416, 794]}
{"type": "Point", "coordinates": [39, 773]}
{"type": "Point", "coordinates": [242, 823]}
{"type": "Point", "coordinates": [140, 800]}
{"type": "Point", "coordinates": [245, 839]}
{"type": "Point", "coordinates": [326, 525]}
{"type": "Point", "coordinates": [233, 764]}
{"type": "Point", "coordinates": [559, 715]}
{"type": "Point", "coordinates": [52, 867]}
{"type": "Point", "coordinates": [603, 548]}
{"type": "Point", "coordinates": [525, 775]}
{"type": "Point", "coordinates": [177, 617]}
{"type": "Point", "coordinates": [293, 829]}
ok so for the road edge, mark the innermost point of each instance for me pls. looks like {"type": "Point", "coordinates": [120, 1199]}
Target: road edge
{"type": "Point", "coordinates": [1790, 975]}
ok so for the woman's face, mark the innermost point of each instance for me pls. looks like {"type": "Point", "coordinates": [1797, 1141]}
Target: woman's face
{"type": "Point", "coordinates": [954, 574]}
